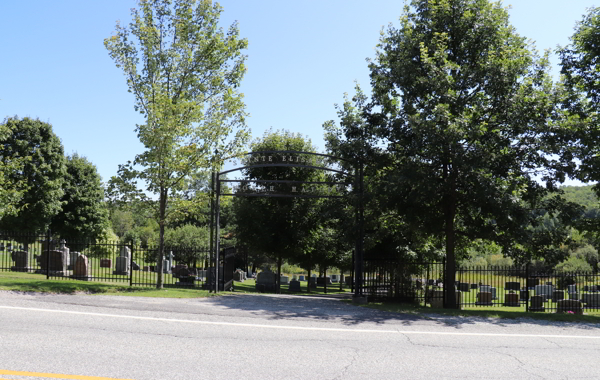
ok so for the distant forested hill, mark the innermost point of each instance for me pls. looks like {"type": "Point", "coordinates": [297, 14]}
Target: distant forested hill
{"type": "Point", "coordinates": [583, 195]}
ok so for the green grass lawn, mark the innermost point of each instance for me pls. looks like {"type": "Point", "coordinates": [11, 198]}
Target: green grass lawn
{"type": "Point", "coordinates": [30, 282]}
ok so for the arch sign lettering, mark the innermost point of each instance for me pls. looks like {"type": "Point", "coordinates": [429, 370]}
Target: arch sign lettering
{"type": "Point", "coordinates": [274, 164]}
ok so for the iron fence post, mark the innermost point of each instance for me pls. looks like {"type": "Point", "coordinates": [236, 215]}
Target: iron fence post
{"type": "Point", "coordinates": [445, 289]}
{"type": "Point", "coordinates": [48, 254]}
{"type": "Point", "coordinates": [527, 287]}
{"type": "Point", "coordinates": [131, 267]}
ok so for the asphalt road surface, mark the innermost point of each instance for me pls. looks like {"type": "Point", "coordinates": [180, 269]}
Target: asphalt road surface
{"type": "Point", "coordinates": [276, 337]}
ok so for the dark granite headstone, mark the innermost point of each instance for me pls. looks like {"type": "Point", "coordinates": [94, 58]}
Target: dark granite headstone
{"type": "Point", "coordinates": [295, 286]}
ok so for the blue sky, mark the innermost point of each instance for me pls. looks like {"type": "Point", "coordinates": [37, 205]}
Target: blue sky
{"type": "Point", "coordinates": [302, 57]}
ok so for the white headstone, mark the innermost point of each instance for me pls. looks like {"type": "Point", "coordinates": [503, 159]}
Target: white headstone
{"type": "Point", "coordinates": [125, 252]}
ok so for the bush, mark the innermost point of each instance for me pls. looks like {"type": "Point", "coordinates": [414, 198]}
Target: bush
{"type": "Point", "coordinates": [574, 264]}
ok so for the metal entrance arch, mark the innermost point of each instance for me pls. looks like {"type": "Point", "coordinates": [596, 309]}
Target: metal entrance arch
{"type": "Point", "coordinates": [288, 158]}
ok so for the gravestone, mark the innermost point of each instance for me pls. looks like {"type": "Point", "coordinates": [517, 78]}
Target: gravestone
{"type": "Point", "coordinates": [125, 252]}
{"type": "Point", "coordinates": [295, 286]}
{"type": "Point", "coordinates": [544, 290]}
{"type": "Point", "coordinates": [593, 288]}
{"type": "Point", "coordinates": [175, 270]}
{"type": "Point", "coordinates": [591, 300]}
{"type": "Point", "coordinates": [349, 281]}
{"type": "Point", "coordinates": [146, 269]}
{"type": "Point", "coordinates": [342, 278]}
{"type": "Point", "coordinates": [558, 295]}
{"type": "Point", "coordinates": [474, 286]}
{"type": "Point", "coordinates": [569, 305]}
{"type": "Point", "coordinates": [533, 282]}
{"type": "Point", "coordinates": [574, 296]}
{"type": "Point", "coordinates": [186, 278]}
{"type": "Point", "coordinates": [266, 281]}
{"type": "Point", "coordinates": [537, 302]}
{"type": "Point", "coordinates": [58, 263]}
{"type": "Point", "coordinates": [572, 289]}
{"type": "Point", "coordinates": [122, 266]}
{"type": "Point", "coordinates": [81, 271]}
{"type": "Point", "coordinates": [437, 299]}
{"type": "Point", "coordinates": [238, 276]}
{"type": "Point", "coordinates": [135, 266]}
{"type": "Point", "coordinates": [586, 288]}
{"type": "Point", "coordinates": [301, 278]}
{"type": "Point", "coordinates": [166, 266]}
{"type": "Point", "coordinates": [295, 277]}
{"type": "Point", "coordinates": [335, 278]}
{"type": "Point", "coordinates": [284, 280]}
{"type": "Point", "coordinates": [524, 294]}
{"type": "Point", "coordinates": [464, 287]}
{"type": "Point", "coordinates": [105, 263]}
{"type": "Point", "coordinates": [322, 280]}
{"type": "Point", "coordinates": [21, 259]}
{"type": "Point", "coordinates": [490, 289]}
{"type": "Point", "coordinates": [484, 298]}
{"type": "Point", "coordinates": [312, 282]}
{"type": "Point", "coordinates": [511, 299]}
{"type": "Point", "coordinates": [512, 285]}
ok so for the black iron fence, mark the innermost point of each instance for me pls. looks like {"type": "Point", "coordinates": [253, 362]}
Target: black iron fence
{"type": "Point", "coordinates": [510, 287]}
{"type": "Point", "coordinates": [107, 261]}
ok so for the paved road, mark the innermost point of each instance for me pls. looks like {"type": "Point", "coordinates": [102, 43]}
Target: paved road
{"type": "Point", "coordinates": [276, 337]}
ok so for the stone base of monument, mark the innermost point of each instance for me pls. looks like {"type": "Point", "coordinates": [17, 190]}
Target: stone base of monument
{"type": "Point", "coordinates": [574, 306]}
{"type": "Point", "coordinates": [55, 273]}
{"type": "Point", "coordinates": [82, 278]}
{"type": "Point", "coordinates": [359, 300]}
{"type": "Point", "coordinates": [20, 269]}
{"type": "Point", "coordinates": [186, 281]}
{"type": "Point", "coordinates": [121, 272]}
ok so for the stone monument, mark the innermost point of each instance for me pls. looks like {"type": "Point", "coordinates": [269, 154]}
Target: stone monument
{"type": "Point", "coordinates": [266, 281]}
{"type": "Point", "coordinates": [82, 269]}
{"type": "Point", "coordinates": [21, 259]}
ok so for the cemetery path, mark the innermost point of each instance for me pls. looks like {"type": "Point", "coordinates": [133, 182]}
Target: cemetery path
{"type": "Point", "coordinates": [275, 336]}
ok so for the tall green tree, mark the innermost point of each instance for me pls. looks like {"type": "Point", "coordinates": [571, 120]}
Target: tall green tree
{"type": "Point", "coordinates": [461, 104]}
{"type": "Point", "coordinates": [581, 77]}
{"type": "Point", "coordinates": [83, 215]}
{"type": "Point", "coordinates": [184, 71]}
{"type": "Point", "coordinates": [277, 227]}
{"type": "Point", "coordinates": [11, 188]}
{"type": "Point", "coordinates": [44, 171]}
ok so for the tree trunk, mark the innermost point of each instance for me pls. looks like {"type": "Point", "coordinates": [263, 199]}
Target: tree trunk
{"type": "Point", "coordinates": [161, 241]}
{"type": "Point", "coordinates": [325, 279]}
{"type": "Point", "coordinates": [278, 274]}
{"type": "Point", "coordinates": [449, 275]}
{"type": "Point", "coordinates": [308, 281]}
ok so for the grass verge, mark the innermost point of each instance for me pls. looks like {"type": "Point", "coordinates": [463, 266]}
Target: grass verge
{"type": "Point", "coordinates": [30, 282]}
{"type": "Point", "coordinates": [591, 316]}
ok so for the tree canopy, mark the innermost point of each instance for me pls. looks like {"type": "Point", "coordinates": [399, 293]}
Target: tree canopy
{"type": "Point", "coordinates": [83, 215]}
{"type": "Point", "coordinates": [44, 172]}
{"type": "Point", "coordinates": [461, 115]}
{"type": "Point", "coordinates": [183, 70]}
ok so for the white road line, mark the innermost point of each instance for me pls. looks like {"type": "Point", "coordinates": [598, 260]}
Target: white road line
{"type": "Point", "coordinates": [408, 332]}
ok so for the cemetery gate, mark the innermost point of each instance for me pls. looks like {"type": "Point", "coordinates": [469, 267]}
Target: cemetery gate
{"type": "Point", "coordinates": [342, 179]}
